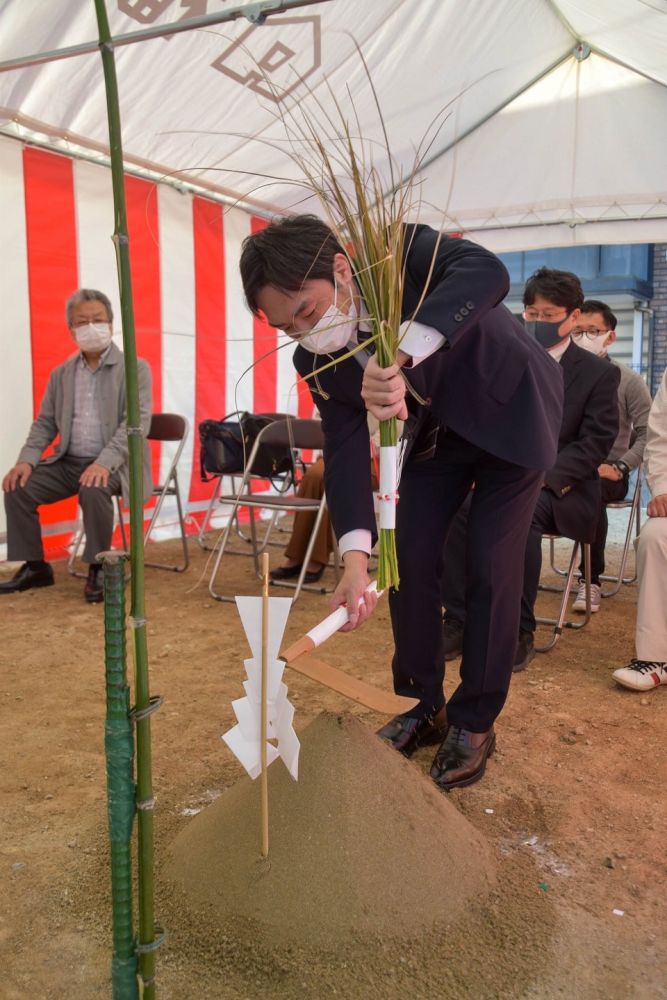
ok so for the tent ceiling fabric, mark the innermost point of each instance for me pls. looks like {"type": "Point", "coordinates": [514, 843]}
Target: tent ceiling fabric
{"type": "Point", "coordinates": [530, 145]}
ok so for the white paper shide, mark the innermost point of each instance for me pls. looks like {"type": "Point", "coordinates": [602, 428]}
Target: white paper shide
{"type": "Point", "coordinates": [244, 739]}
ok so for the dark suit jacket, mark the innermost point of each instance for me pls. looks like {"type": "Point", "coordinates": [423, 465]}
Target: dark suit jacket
{"type": "Point", "coordinates": [587, 433]}
{"type": "Point", "coordinates": [490, 382]}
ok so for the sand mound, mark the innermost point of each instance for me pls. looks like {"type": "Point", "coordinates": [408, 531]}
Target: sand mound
{"type": "Point", "coordinates": [362, 844]}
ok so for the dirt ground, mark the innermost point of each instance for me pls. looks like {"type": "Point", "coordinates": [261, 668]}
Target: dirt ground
{"type": "Point", "coordinates": [572, 805]}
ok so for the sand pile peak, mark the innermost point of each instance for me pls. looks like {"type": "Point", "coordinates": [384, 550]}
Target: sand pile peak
{"type": "Point", "coordinates": [362, 844]}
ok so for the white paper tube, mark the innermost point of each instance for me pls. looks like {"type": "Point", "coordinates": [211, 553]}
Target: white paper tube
{"type": "Point", "coordinates": [387, 495]}
{"type": "Point", "coordinates": [325, 629]}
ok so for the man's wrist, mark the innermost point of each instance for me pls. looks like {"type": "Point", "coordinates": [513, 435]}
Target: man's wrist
{"type": "Point", "coordinates": [622, 467]}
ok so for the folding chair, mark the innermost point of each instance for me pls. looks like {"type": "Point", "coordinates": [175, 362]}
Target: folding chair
{"type": "Point", "coordinates": [283, 483]}
{"type": "Point", "coordinates": [633, 504]}
{"type": "Point", "coordinates": [560, 623]}
{"type": "Point", "coordinates": [164, 427]}
{"type": "Point", "coordinates": [169, 427]}
{"type": "Point", "coordinates": [293, 433]}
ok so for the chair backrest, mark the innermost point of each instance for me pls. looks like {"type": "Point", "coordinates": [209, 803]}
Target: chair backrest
{"type": "Point", "coordinates": [167, 427]}
{"type": "Point", "coordinates": [292, 433]}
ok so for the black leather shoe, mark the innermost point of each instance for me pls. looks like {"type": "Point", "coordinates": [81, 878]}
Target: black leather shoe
{"type": "Point", "coordinates": [26, 578]}
{"type": "Point", "coordinates": [285, 572]}
{"type": "Point", "coordinates": [525, 652]}
{"type": "Point", "coordinates": [406, 734]}
{"type": "Point", "coordinates": [94, 588]}
{"type": "Point", "coordinates": [452, 630]}
{"type": "Point", "coordinates": [313, 575]}
{"type": "Point", "coordinates": [461, 760]}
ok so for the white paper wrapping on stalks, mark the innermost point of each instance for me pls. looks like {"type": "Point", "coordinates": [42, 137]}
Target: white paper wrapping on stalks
{"type": "Point", "coordinates": [245, 738]}
{"type": "Point", "coordinates": [387, 492]}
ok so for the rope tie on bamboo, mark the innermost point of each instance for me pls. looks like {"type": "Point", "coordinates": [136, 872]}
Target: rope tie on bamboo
{"type": "Point", "coordinates": [138, 714]}
{"type": "Point", "coordinates": [145, 805]}
{"type": "Point", "coordinates": [142, 948]}
{"type": "Point", "coordinates": [137, 622]}
{"type": "Point", "coordinates": [134, 430]}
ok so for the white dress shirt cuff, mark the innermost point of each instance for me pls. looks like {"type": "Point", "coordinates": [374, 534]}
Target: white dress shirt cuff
{"type": "Point", "coordinates": [419, 341]}
{"type": "Point", "coordinates": [358, 540]}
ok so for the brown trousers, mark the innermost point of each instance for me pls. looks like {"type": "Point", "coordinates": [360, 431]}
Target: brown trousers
{"type": "Point", "coordinates": [312, 486]}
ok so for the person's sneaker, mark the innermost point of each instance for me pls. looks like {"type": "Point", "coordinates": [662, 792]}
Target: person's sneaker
{"type": "Point", "coordinates": [580, 599]}
{"type": "Point", "coordinates": [525, 651]}
{"type": "Point", "coordinates": [641, 675]}
{"type": "Point", "coordinates": [452, 630]}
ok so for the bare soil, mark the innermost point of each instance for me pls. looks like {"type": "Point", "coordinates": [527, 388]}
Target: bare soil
{"type": "Point", "coordinates": [572, 810]}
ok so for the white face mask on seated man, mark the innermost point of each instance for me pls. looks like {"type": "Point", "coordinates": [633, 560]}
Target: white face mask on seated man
{"type": "Point", "coordinates": [93, 337]}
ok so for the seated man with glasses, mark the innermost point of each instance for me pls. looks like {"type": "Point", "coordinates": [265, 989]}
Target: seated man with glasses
{"type": "Point", "coordinates": [569, 501]}
{"type": "Point", "coordinates": [84, 406]}
{"type": "Point", "coordinates": [596, 332]}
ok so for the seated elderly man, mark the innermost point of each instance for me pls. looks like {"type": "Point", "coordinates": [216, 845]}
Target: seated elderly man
{"type": "Point", "coordinates": [85, 406]}
{"type": "Point", "coordinates": [649, 669]}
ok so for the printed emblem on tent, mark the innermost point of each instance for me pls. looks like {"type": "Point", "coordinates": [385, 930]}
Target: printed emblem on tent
{"type": "Point", "coordinates": [273, 60]}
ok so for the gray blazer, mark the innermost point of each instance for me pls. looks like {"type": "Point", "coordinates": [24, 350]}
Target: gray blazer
{"type": "Point", "coordinates": [57, 409]}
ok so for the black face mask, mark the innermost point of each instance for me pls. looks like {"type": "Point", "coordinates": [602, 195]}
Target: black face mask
{"type": "Point", "coordinates": [545, 333]}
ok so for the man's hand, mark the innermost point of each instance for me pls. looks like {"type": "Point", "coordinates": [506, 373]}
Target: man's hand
{"type": "Point", "coordinates": [609, 472]}
{"type": "Point", "coordinates": [94, 475]}
{"type": "Point", "coordinates": [658, 506]}
{"type": "Point", "coordinates": [383, 391]}
{"type": "Point", "coordinates": [18, 476]}
{"type": "Point", "coordinates": [351, 588]}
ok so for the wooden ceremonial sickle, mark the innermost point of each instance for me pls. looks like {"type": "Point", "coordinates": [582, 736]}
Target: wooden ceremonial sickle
{"type": "Point", "coordinates": [384, 702]}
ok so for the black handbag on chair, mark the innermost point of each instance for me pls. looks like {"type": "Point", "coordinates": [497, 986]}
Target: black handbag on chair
{"type": "Point", "coordinates": [225, 446]}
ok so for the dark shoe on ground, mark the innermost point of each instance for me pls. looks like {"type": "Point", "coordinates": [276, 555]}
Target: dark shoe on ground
{"type": "Point", "coordinates": [525, 651]}
{"type": "Point", "coordinates": [26, 578]}
{"type": "Point", "coordinates": [285, 572]}
{"type": "Point", "coordinates": [452, 630]}
{"type": "Point", "coordinates": [406, 734]}
{"type": "Point", "coordinates": [94, 588]}
{"type": "Point", "coordinates": [313, 575]}
{"type": "Point", "coordinates": [461, 760]}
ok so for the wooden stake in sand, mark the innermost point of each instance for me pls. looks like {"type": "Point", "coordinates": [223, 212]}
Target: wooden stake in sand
{"type": "Point", "coordinates": [264, 778]}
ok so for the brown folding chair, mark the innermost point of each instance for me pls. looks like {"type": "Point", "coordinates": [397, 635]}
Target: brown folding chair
{"type": "Point", "coordinates": [292, 433]}
{"type": "Point", "coordinates": [169, 427]}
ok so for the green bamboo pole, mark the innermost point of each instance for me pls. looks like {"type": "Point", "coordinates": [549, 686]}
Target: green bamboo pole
{"type": "Point", "coordinates": [119, 748]}
{"type": "Point", "coordinates": [135, 444]}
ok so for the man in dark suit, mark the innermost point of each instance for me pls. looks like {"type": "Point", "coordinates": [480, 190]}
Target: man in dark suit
{"type": "Point", "coordinates": [494, 398]}
{"type": "Point", "coordinates": [569, 501]}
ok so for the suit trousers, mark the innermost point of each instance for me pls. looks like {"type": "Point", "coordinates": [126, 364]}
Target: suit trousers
{"type": "Point", "coordinates": [47, 484]}
{"type": "Point", "coordinates": [500, 514]}
{"type": "Point", "coordinates": [612, 491]}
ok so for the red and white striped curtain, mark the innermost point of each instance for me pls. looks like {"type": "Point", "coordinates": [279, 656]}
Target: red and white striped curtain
{"type": "Point", "coordinates": [207, 353]}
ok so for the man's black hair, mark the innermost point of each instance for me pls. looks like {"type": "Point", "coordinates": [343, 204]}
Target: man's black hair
{"type": "Point", "coordinates": [563, 288]}
{"type": "Point", "coordinates": [595, 306]}
{"type": "Point", "coordinates": [287, 253]}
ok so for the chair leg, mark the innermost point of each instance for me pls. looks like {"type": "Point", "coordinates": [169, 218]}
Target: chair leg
{"type": "Point", "coordinates": [79, 535]}
{"type": "Point", "coordinates": [552, 560]}
{"type": "Point", "coordinates": [172, 491]}
{"type": "Point", "coordinates": [221, 545]}
{"type": "Point", "coordinates": [560, 623]}
{"type": "Point", "coordinates": [620, 578]}
{"type": "Point", "coordinates": [206, 521]}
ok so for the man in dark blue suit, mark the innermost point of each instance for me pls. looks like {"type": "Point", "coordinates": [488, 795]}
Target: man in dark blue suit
{"type": "Point", "coordinates": [569, 501]}
{"type": "Point", "coordinates": [490, 412]}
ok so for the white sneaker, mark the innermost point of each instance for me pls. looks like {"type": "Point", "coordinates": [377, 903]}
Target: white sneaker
{"type": "Point", "coordinates": [641, 675]}
{"type": "Point", "coordinates": [580, 599]}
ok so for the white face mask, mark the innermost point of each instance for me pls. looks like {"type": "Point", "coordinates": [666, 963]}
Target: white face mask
{"type": "Point", "coordinates": [93, 337]}
{"type": "Point", "coordinates": [332, 331]}
{"type": "Point", "coordinates": [595, 346]}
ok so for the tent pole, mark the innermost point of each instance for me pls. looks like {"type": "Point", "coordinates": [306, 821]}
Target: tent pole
{"type": "Point", "coordinates": [254, 12]}
{"type": "Point", "coordinates": [135, 448]}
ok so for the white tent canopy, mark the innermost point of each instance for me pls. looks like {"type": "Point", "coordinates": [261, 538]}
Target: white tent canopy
{"type": "Point", "coordinates": [551, 113]}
